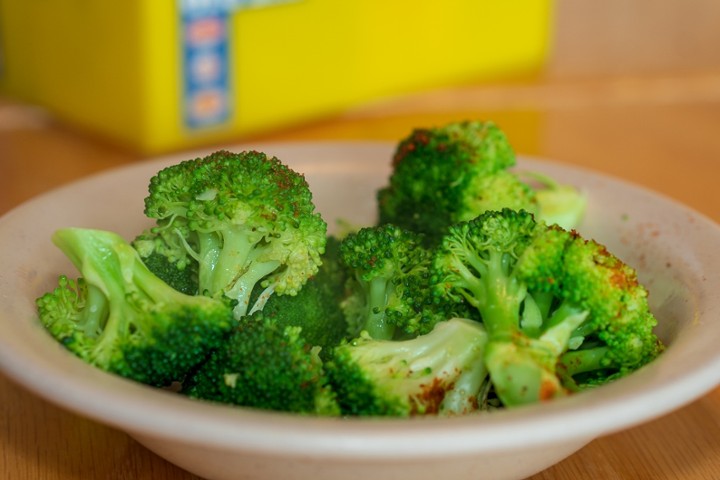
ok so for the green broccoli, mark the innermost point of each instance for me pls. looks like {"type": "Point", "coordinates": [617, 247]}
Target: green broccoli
{"type": "Point", "coordinates": [122, 318]}
{"type": "Point", "coordinates": [562, 314]}
{"type": "Point", "coordinates": [274, 359]}
{"type": "Point", "coordinates": [439, 373]}
{"type": "Point", "coordinates": [445, 175]}
{"type": "Point", "coordinates": [265, 365]}
{"type": "Point", "coordinates": [178, 271]}
{"type": "Point", "coordinates": [449, 174]}
{"type": "Point", "coordinates": [620, 336]}
{"type": "Point", "coordinates": [317, 306]}
{"type": "Point", "coordinates": [388, 287]}
{"type": "Point", "coordinates": [246, 219]}
{"type": "Point", "coordinates": [468, 294]}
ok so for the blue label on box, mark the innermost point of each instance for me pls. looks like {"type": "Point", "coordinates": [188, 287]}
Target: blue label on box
{"type": "Point", "coordinates": [206, 73]}
{"type": "Point", "coordinates": [206, 56]}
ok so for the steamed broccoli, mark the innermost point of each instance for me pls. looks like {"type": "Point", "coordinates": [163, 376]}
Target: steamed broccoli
{"type": "Point", "coordinates": [439, 373]}
{"type": "Point", "coordinates": [246, 219]}
{"type": "Point", "coordinates": [561, 313]}
{"type": "Point", "coordinates": [317, 306]}
{"type": "Point", "coordinates": [122, 318]}
{"type": "Point", "coordinates": [388, 288]}
{"type": "Point", "coordinates": [458, 300]}
{"type": "Point", "coordinates": [267, 365]}
{"type": "Point", "coordinates": [449, 174]}
{"type": "Point", "coordinates": [274, 358]}
{"type": "Point", "coordinates": [178, 272]}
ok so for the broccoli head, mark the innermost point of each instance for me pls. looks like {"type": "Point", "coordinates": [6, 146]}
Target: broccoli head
{"type": "Point", "coordinates": [122, 318]}
{"type": "Point", "coordinates": [562, 314]}
{"type": "Point", "coordinates": [265, 365]}
{"type": "Point", "coordinates": [444, 175]}
{"type": "Point", "coordinates": [246, 219]}
{"type": "Point", "coordinates": [317, 306]}
{"type": "Point", "coordinates": [450, 174]}
{"type": "Point", "coordinates": [619, 335]}
{"type": "Point", "coordinates": [388, 287]}
{"type": "Point", "coordinates": [439, 373]}
{"type": "Point", "coordinates": [274, 358]}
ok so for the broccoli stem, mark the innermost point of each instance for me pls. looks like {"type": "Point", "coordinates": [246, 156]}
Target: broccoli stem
{"type": "Point", "coordinates": [522, 372]}
{"type": "Point", "coordinates": [544, 301]}
{"type": "Point", "coordinates": [152, 287]}
{"type": "Point", "coordinates": [531, 319]}
{"type": "Point", "coordinates": [119, 315]}
{"type": "Point", "coordinates": [116, 326]}
{"type": "Point", "coordinates": [585, 360]}
{"type": "Point", "coordinates": [229, 264]}
{"type": "Point", "coordinates": [561, 326]}
{"type": "Point", "coordinates": [503, 295]}
{"type": "Point", "coordinates": [242, 288]}
{"type": "Point", "coordinates": [95, 257]}
{"type": "Point", "coordinates": [535, 309]}
{"type": "Point", "coordinates": [234, 256]}
{"type": "Point", "coordinates": [379, 290]}
{"type": "Point", "coordinates": [523, 368]}
{"type": "Point", "coordinates": [95, 312]}
{"type": "Point", "coordinates": [209, 247]}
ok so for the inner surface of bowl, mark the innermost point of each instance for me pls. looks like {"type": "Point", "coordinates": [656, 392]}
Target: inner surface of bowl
{"type": "Point", "coordinates": [671, 246]}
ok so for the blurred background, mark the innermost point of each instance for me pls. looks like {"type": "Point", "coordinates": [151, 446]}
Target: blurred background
{"type": "Point", "coordinates": [152, 77]}
{"type": "Point", "coordinates": [630, 88]}
{"type": "Point", "coordinates": [100, 84]}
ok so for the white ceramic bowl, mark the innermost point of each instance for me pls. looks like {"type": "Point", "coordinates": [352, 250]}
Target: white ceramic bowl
{"type": "Point", "coordinates": [673, 248]}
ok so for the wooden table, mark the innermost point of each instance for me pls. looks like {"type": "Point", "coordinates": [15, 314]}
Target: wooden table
{"type": "Point", "coordinates": [662, 132]}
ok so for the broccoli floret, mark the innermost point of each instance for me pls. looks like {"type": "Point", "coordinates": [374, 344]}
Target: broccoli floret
{"type": "Point", "coordinates": [169, 262]}
{"type": "Point", "coordinates": [274, 359]}
{"type": "Point", "coordinates": [449, 174]}
{"type": "Point", "coordinates": [316, 307]}
{"type": "Point", "coordinates": [122, 318]}
{"type": "Point", "coordinates": [246, 218]}
{"type": "Point", "coordinates": [619, 336]}
{"type": "Point", "coordinates": [561, 313]}
{"type": "Point", "coordinates": [388, 287]}
{"type": "Point", "coordinates": [439, 373]}
{"type": "Point", "coordinates": [265, 365]}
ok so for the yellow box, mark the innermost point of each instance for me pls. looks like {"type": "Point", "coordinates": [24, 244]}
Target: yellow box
{"type": "Point", "coordinates": [159, 75]}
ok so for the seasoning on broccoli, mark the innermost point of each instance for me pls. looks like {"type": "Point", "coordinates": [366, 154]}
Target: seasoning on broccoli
{"type": "Point", "coordinates": [453, 173]}
{"type": "Point", "coordinates": [468, 295]}
{"type": "Point", "coordinates": [439, 373]}
{"type": "Point", "coordinates": [562, 314]}
{"type": "Point", "coordinates": [247, 220]}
